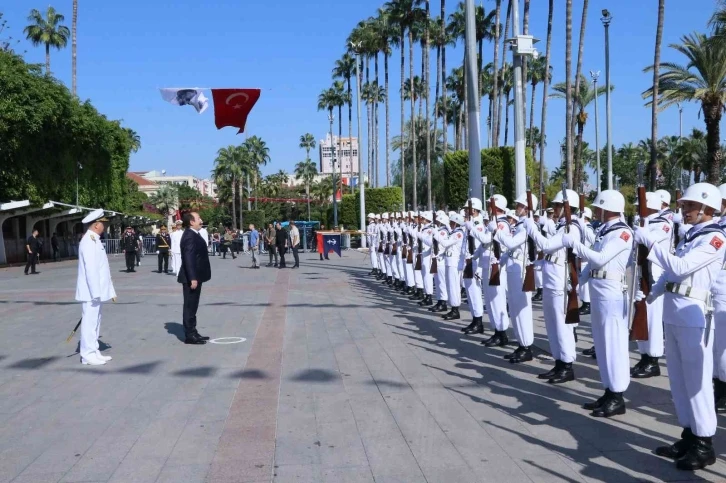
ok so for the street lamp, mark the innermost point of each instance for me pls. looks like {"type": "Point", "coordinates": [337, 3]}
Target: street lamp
{"type": "Point", "coordinates": [333, 153]}
{"type": "Point", "coordinates": [361, 185]}
{"type": "Point", "coordinates": [595, 76]}
{"type": "Point", "coordinates": [680, 122]}
{"type": "Point", "coordinates": [606, 19]}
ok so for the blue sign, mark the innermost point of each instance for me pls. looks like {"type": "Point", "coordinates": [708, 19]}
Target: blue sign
{"type": "Point", "coordinates": [331, 242]}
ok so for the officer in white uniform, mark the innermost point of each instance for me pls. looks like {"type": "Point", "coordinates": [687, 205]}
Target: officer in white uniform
{"type": "Point", "coordinates": [519, 301]}
{"type": "Point", "coordinates": [381, 245]}
{"type": "Point", "coordinates": [554, 272]}
{"type": "Point", "coordinates": [439, 253]}
{"type": "Point", "coordinates": [176, 247]}
{"type": "Point", "coordinates": [607, 262]}
{"type": "Point", "coordinates": [661, 232]}
{"type": "Point", "coordinates": [398, 259]}
{"type": "Point", "coordinates": [371, 233]}
{"type": "Point", "coordinates": [410, 236]}
{"type": "Point", "coordinates": [426, 237]}
{"type": "Point", "coordinates": [687, 280]}
{"type": "Point", "coordinates": [719, 315]}
{"type": "Point", "coordinates": [496, 295]}
{"type": "Point", "coordinates": [584, 289]}
{"type": "Point", "coordinates": [473, 285]}
{"type": "Point", "coordinates": [93, 287]}
{"type": "Point", "coordinates": [452, 243]}
{"type": "Point", "coordinates": [391, 257]}
{"type": "Point", "coordinates": [538, 216]}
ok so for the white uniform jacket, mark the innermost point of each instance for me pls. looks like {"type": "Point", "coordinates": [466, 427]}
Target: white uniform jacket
{"type": "Point", "coordinates": [514, 240]}
{"type": "Point", "coordinates": [94, 276]}
{"type": "Point", "coordinates": [176, 241]}
{"type": "Point", "coordinates": [450, 244]}
{"type": "Point", "coordinates": [555, 262]}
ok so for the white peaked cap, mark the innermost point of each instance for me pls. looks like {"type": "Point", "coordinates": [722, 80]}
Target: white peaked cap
{"type": "Point", "coordinates": [587, 213]}
{"type": "Point", "coordinates": [443, 219]}
{"type": "Point", "coordinates": [522, 200]}
{"type": "Point", "coordinates": [371, 215]}
{"type": "Point", "coordinates": [378, 217]}
{"type": "Point", "coordinates": [457, 218]}
{"type": "Point", "coordinates": [475, 204]}
{"type": "Point", "coordinates": [95, 215]}
{"type": "Point", "coordinates": [511, 214]}
{"type": "Point", "coordinates": [427, 215]}
{"type": "Point", "coordinates": [652, 201]}
{"type": "Point", "coordinates": [384, 216]}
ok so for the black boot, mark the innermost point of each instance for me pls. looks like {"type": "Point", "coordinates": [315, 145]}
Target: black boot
{"type": "Point", "coordinates": [425, 301]}
{"type": "Point", "coordinates": [525, 355]}
{"type": "Point", "coordinates": [389, 281]}
{"type": "Point", "coordinates": [638, 365]}
{"type": "Point", "coordinates": [719, 395]}
{"type": "Point", "coordinates": [574, 332]}
{"type": "Point", "coordinates": [598, 402]}
{"type": "Point", "coordinates": [418, 294]}
{"type": "Point", "coordinates": [453, 314]}
{"type": "Point", "coordinates": [679, 448]}
{"type": "Point", "coordinates": [589, 352]}
{"type": "Point", "coordinates": [565, 374]}
{"type": "Point", "coordinates": [372, 272]}
{"type": "Point", "coordinates": [700, 454]}
{"type": "Point", "coordinates": [476, 327]}
{"type": "Point", "coordinates": [585, 309]}
{"type": "Point", "coordinates": [515, 353]}
{"type": "Point", "coordinates": [551, 372]}
{"type": "Point", "coordinates": [498, 339]}
{"type": "Point", "coordinates": [537, 296]}
{"type": "Point", "coordinates": [408, 291]}
{"type": "Point", "coordinates": [613, 406]}
{"type": "Point", "coordinates": [648, 369]}
{"type": "Point", "coordinates": [436, 307]}
{"type": "Point", "coordinates": [444, 308]}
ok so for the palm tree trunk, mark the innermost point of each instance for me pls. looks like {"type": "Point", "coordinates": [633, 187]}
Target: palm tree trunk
{"type": "Point", "coordinates": [435, 136]}
{"type": "Point", "coordinates": [340, 149]}
{"type": "Point", "coordinates": [531, 122]}
{"type": "Point", "coordinates": [495, 86]}
{"type": "Point", "coordinates": [580, 131]}
{"type": "Point", "coordinates": [445, 125]}
{"type": "Point", "coordinates": [235, 190]}
{"type": "Point", "coordinates": [653, 162]}
{"type": "Point", "coordinates": [712, 116]}
{"type": "Point", "coordinates": [545, 86]}
{"type": "Point", "coordinates": [307, 195]}
{"type": "Point", "coordinates": [480, 68]}
{"type": "Point", "coordinates": [388, 120]}
{"type": "Point", "coordinates": [376, 101]}
{"type": "Point", "coordinates": [74, 27]}
{"type": "Point", "coordinates": [506, 123]}
{"type": "Point", "coordinates": [426, 101]}
{"type": "Point", "coordinates": [466, 99]}
{"type": "Point", "coordinates": [568, 91]}
{"type": "Point", "coordinates": [489, 123]}
{"type": "Point", "coordinates": [47, 59]}
{"type": "Point", "coordinates": [576, 100]}
{"type": "Point", "coordinates": [369, 120]}
{"type": "Point", "coordinates": [403, 116]}
{"type": "Point", "coordinates": [413, 120]}
{"type": "Point", "coordinates": [500, 94]}
{"type": "Point", "coordinates": [350, 133]}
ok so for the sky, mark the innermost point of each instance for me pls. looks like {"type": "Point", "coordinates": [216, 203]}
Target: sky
{"type": "Point", "coordinates": [128, 50]}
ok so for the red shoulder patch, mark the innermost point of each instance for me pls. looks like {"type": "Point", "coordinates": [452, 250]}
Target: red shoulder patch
{"type": "Point", "coordinates": [716, 242]}
{"type": "Point", "coordinates": [459, 236]}
{"type": "Point", "coordinates": [501, 226]}
{"type": "Point", "coordinates": [429, 231]}
{"type": "Point", "coordinates": [625, 236]}
{"type": "Point", "coordinates": [666, 228]}
{"type": "Point", "coordinates": [479, 228]}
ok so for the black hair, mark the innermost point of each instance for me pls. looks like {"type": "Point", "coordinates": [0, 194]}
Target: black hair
{"type": "Point", "coordinates": [187, 218]}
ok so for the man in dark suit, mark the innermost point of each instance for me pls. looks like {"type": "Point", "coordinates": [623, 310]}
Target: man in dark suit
{"type": "Point", "coordinates": [281, 243]}
{"type": "Point", "coordinates": [194, 271]}
{"type": "Point", "coordinates": [32, 246]}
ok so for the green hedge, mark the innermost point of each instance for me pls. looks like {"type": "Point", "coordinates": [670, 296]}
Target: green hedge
{"type": "Point", "coordinates": [378, 200]}
{"type": "Point", "coordinates": [497, 164]}
{"type": "Point", "coordinates": [256, 217]}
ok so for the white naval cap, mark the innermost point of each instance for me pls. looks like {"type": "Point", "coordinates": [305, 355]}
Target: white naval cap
{"type": "Point", "coordinates": [457, 218]}
{"type": "Point", "coordinates": [95, 215]}
{"type": "Point", "coordinates": [442, 218]}
{"type": "Point", "coordinates": [371, 215]}
{"type": "Point", "coordinates": [427, 215]}
{"type": "Point", "coordinates": [384, 216]}
{"type": "Point", "coordinates": [378, 217]}
{"type": "Point", "coordinates": [511, 214]}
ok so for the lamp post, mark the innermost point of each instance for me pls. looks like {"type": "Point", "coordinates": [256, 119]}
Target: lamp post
{"type": "Point", "coordinates": [606, 19]}
{"type": "Point", "coordinates": [361, 184]}
{"type": "Point", "coordinates": [595, 76]}
{"type": "Point", "coordinates": [472, 87]}
{"type": "Point", "coordinates": [333, 153]}
{"type": "Point", "coordinates": [680, 122]}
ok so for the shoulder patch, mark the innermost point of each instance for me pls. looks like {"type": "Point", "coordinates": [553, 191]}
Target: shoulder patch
{"type": "Point", "coordinates": [429, 231]}
{"type": "Point", "coordinates": [459, 236]}
{"type": "Point", "coordinates": [625, 236]}
{"type": "Point", "coordinates": [716, 242]}
{"type": "Point", "coordinates": [93, 238]}
{"type": "Point", "coordinates": [666, 228]}
{"type": "Point", "coordinates": [442, 233]}
{"type": "Point", "coordinates": [479, 228]}
{"type": "Point", "coordinates": [501, 226]}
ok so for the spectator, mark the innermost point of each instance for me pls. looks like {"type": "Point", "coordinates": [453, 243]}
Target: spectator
{"type": "Point", "coordinates": [215, 243]}
{"type": "Point", "coordinates": [227, 245]}
{"type": "Point", "coordinates": [270, 240]}
{"type": "Point", "coordinates": [281, 243]}
{"type": "Point", "coordinates": [294, 236]}
{"type": "Point", "coordinates": [32, 246]}
{"type": "Point", "coordinates": [54, 246]}
{"type": "Point", "coordinates": [254, 244]}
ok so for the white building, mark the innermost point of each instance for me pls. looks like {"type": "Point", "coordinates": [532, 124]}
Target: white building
{"type": "Point", "coordinates": [159, 178]}
{"type": "Point", "coordinates": [347, 154]}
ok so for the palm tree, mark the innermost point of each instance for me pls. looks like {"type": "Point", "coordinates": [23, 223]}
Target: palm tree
{"type": "Point", "coordinates": [134, 139]}
{"type": "Point", "coordinates": [702, 80]}
{"type": "Point", "coordinates": [537, 72]}
{"type": "Point", "coordinates": [384, 31]}
{"type": "Point", "coordinates": [486, 85]}
{"type": "Point", "coordinates": [306, 171]}
{"type": "Point", "coordinates": [576, 92]}
{"type": "Point", "coordinates": [228, 171]}
{"type": "Point", "coordinates": [500, 91]}
{"type": "Point", "coordinates": [506, 80]}
{"type": "Point", "coordinates": [445, 126]}
{"type": "Point", "coordinates": [568, 91]}
{"type": "Point", "coordinates": [345, 69]}
{"type": "Point", "coordinates": [258, 154]}
{"type": "Point", "coordinates": [307, 142]}
{"type": "Point", "coordinates": [47, 31]}
{"type": "Point", "coordinates": [166, 200]}
{"type": "Point", "coordinates": [546, 83]}
{"type": "Point", "coordinates": [485, 30]}
{"type": "Point", "coordinates": [427, 89]}
{"type": "Point", "coordinates": [74, 27]}
{"type": "Point", "coordinates": [652, 163]}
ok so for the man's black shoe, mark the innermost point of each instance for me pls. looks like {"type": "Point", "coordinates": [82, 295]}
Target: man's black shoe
{"type": "Point", "coordinates": [649, 369]}
{"type": "Point", "coordinates": [537, 296]}
{"type": "Point", "coordinates": [699, 455]}
{"type": "Point", "coordinates": [552, 371]}
{"type": "Point", "coordinates": [524, 356]}
{"type": "Point", "coordinates": [565, 374]}
{"type": "Point", "coordinates": [612, 406]}
{"type": "Point", "coordinates": [679, 448]}
{"type": "Point", "coordinates": [200, 336]}
{"type": "Point", "coordinates": [585, 309]}
{"type": "Point", "coordinates": [476, 327]}
{"type": "Point", "coordinates": [498, 339]}
{"type": "Point", "coordinates": [453, 314]}
{"type": "Point", "coordinates": [598, 402]}
{"type": "Point", "coordinates": [195, 341]}
{"type": "Point", "coordinates": [514, 353]}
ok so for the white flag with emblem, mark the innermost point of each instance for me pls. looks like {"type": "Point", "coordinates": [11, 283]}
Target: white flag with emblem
{"type": "Point", "coordinates": [192, 96]}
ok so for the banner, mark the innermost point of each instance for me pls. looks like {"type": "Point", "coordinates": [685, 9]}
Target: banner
{"type": "Point", "coordinates": [186, 97]}
{"type": "Point", "coordinates": [328, 243]}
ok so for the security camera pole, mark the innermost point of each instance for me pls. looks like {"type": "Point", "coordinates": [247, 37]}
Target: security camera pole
{"type": "Point", "coordinates": [472, 92]}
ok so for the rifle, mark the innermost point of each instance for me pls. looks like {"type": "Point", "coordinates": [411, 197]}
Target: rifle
{"type": "Point", "coordinates": [469, 267]}
{"type": "Point", "coordinates": [677, 226]}
{"type": "Point", "coordinates": [528, 285]}
{"type": "Point", "coordinates": [638, 318]}
{"type": "Point", "coordinates": [572, 306]}
{"type": "Point", "coordinates": [496, 247]}
{"type": "Point", "coordinates": [434, 252]}
{"type": "Point", "coordinates": [394, 249]}
{"type": "Point", "coordinates": [409, 252]}
{"type": "Point", "coordinates": [388, 242]}
{"type": "Point", "coordinates": [543, 213]}
{"type": "Point", "coordinates": [380, 242]}
{"type": "Point", "coordinates": [404, 242]}
{"type": "Point", "coordinates": [419, 260]}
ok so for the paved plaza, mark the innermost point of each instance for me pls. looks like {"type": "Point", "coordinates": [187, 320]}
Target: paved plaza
{"type": "Point", "coordinates": [338, 380]}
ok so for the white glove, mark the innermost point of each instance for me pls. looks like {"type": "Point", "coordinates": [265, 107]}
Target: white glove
{"type": "Point", "coordinates": [639, 295]}
{"type": "Point", "coordinates": [683, 230]}
{"type": "Point", "coordinates": [492, 226]}
{"type": "Point", "coordinates": [677, 218]}
{"type": "Point", "coordinates": [568, 240]}
{"type": "Point", "coordinates": [642, 236]}
{"type": "Point", "coordinates": [469, 225]}
{"type": "Point", "coordinates": [530, 225]}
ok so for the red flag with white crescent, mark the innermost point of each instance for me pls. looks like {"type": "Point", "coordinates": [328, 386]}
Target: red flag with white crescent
{"type": "Point", "coordinates": [232, 106]}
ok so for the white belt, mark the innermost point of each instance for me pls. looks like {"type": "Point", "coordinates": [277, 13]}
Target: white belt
{"type": "Point", "coordinates": [688, 291]}
{"type": "Point", "coordinates": [605, 275]}
{"type": "Point", "coordinates": [556, 260]}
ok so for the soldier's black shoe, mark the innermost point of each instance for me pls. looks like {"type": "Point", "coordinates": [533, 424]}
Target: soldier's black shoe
{"type": "Point", "coordinates": [638, 365]}
{"type": "Point", "coordinates": [372, 272]}
{"type": "Point", "coordinates": [468, 327]}
{"type": "Point", "coordinates": [426, 301]}
{"type": "Point", "coordinates": [589, 352]}
{"type": "Point", "coordinates": [699, 455]}
{"type": "Point", "coordinates": [193, 340]}
{"type": "Point", "coordinates": [585, 309]}
{"type": "Point", "coordinates": [574, 332]}
{"type": "Point", "coordinates": [453, 314]}
{"type": "Point", "coordinates": [444, 308]}
{"type": "Point", "coordinates": [649, 369]}
{"type": "Point", "coordinates": [598, 402]}
{"type": "Point", "coordinates": [551, 372]}
{"type": "Point", "coordinates": [515, 352]}
{"type": "Point", "coordinates": [613, 406]}
{"type": "Point", "coordinates": [524, 356]}
{"type": "Point", "coordinates": [565, 374]}
{"type": "Point", "coordinates": [436, 307]}
{"type": "Point", "coordinates": [679, 448]}
{"type": "Point", "coordinates": [407, 291]}
{"type": "Point", "coordinates": [537, 296]}
{"type": "Point", "coordinates": [498, 339]}
{"type": "Point", "coordinates": [418, 295]}
{"type": "Point", "coordinates": [719, 395]}
{"type": "Point", "coordinates": [476, 327]}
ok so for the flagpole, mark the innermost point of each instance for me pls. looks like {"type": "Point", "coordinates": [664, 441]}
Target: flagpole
{"type": "Point", "coordinates": [361, 183]}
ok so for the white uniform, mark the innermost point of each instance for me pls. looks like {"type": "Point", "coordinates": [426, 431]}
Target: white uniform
{"type": "Point", "coordinates": [417, 275]}
{"type": "Point", "coordinates": [410, 277]}
{"type": "Point", "coordinates": [399, 261]}
{"type": "Point", "coordinates": [176, 250]}
{"type": "Point", "coordinates": [93, 287]}
{"type": "Point", "coordinates": [520, 302]}
{"type": "Point", "coordinates": [372, 239]}
{"type": "Point", "coordinates": [425, 235]}
{"type": "Point", "coordinates": [607, 262]}
{"type": "Point", "coordinates": [451, 244]}
{"type": "Point", "coordinates": [496, 295]}
{"type": "Point", "coordinates": [719, 316]}
{"type": "Point", "coordinates": [382, 240]}
{"type": "Point", "coordinates": [696, 265]}
{"type": "Point", "coordinates": [442, 292]}
{"type": "Point", "coordinates": [473, 285]}
{"type": "Point", "coordinates": [391, 257]}
{"type": "Point", "coordinates": [584, 288]}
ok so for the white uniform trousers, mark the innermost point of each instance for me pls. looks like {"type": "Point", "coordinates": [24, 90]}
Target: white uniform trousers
{"type": "Point", "coordinates": [90, 329]}
{"type": "Point", "coordinates": [719, 337]}
{"type": "Point", "coordinates": [496, 296]}
{"type": "Point", "coordinates": [427, 276]}
{"type": "Point", "coordinates": [442, 293]}
{"type": "Point", "coordinates": [583, 291]}
{"type": "Point", "coordinates": [654, 345]}
{"type": "Point", "coordinates": [176, 262]}
{"type": "Point", "coordinates": [373, 256]}
{"type": "Point", "coordinates": [453, 286]}
{"type": "Point", "coordinates": [538, 275]}
{"type": "Point", "coordinates": [610, 335]}
{"type": "Point", "coordinates": [690, 367]}
{"type": "Point", "coordinates": [520, 307]}
{"type": "Point", "coordinates": [410, 277]}
{"type": "Point", "coordinates": [391, 259]}
{"type": "Point", "coordinates": [417, 275]}
{"type": "Point", "coordinates": [382, 263]}
{"type": "Point", "coordinates": [399, 264]}
{"type": "Point", "coordinates": [473, 290]}
{"type": "Point", "coordinates": [560, 335]}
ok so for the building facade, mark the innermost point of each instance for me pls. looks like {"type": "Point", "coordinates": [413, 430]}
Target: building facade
{"type": "Point", "coordinates": [150, 181]}
{"type": "Point", "coordinates": [347, 153]}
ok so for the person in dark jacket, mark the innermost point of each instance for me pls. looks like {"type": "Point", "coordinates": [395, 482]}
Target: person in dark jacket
{"type": "Point", "coordinates": [281, 243]}
{"type": "Point", "coordinates": [194, 271]}
{"type": "Point", "coordinates": [32, 246]}
{"type": "Point", "coordinates": [163, 243]}
{"type": "Point", "coordinates": [129, 244]}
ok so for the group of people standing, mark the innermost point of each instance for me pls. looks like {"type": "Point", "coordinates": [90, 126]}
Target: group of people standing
{"type": "Point", "coordinates": [498, 257]}
{"type": "Point", "coordinates": [278, 241]}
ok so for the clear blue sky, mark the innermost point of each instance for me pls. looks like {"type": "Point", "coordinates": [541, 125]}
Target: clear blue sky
{"type": "Point", "coordinates": [127, 50]}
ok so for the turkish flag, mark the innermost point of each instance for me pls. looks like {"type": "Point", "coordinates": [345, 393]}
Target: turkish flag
{"type": "Point", "coordinates": [232, 106]}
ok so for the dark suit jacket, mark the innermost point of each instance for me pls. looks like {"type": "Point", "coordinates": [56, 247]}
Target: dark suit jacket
{"type": "Point", "coordinates": [195, 258]}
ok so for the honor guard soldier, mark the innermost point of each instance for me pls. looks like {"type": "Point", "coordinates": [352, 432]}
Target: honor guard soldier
{"type": "Point", "coordinates": [129, 245]}
{"type": "Point", "coordinates": [719, 314]}
{"type": "Point", "coordinates": [371, 230]}
{"type": "Point", "coordinates": [393, 257]}
{"type": "Point", "coordinates": [410, 258]}
{"type": "Point", "coordinates": [687, 280]}
{"type": "Point", "coordinates": [607, 262]}
{"type": "Point", "coordinates": [163, 244]}
{"type": "Point", "coordinates": [470, 256]}
{"type": "Point", "coordinates": [439, 254]}
{"type": "Point", "coordinates": [519, 301]}
{"type": "Point", "coordinates": [661, 230]}
{"type": "Point", "coordinates": [496, 290]}
{"type": "Point", "coordinates": [452, 244]}
{"type": "Point", "coordinates": [418, 293]}
{"type": "Point", "coordinates": [93, 287]}
{"type": "Point", "coordinates": [426, 237]}
{"type": "Point", "coordinates": [537, 297]}
{"type": "Point", "coordinates": [584, 292]}
{"type": "Point", "coordinates": [398, 258]}
{"type": "Point", "coordinates": [382, 246]}
{"type": "Point", "coordinates": [554, 282]}
{"type": "Point", "coordinates": [176, 246]}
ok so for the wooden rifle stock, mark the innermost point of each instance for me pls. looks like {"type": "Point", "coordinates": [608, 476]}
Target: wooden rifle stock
{"type": "Point", "coordinates": [409, 257]}
{"type": "Point", "coordinates": [494, 276]}
{"type": "Point", "coordinates": [572, 312]}
{"type": "Point", "coordinates": [469, 267]}
{"type": "Point", "coordinates": [394, 249]}
{"type": "Point", "coordinates": [404, 243]}
{"type": "Point", "coordinates": [639, 326]}
{"type": "Point", "coordinates": [388, 243]}
{"type": "Point", "coordinates": [528, 285]}
{"type": "Point", "coordinates": [420, 246]}
{"type": "Point", "coordinates": [434, 252]}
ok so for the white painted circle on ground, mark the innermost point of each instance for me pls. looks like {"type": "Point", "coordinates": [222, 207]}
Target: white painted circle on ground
{"type": "Point", "coordinates": [227, 340]}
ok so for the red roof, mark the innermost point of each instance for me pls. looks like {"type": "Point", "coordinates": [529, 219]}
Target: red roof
{"type": "Point", "coordinates": [139, 180]}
